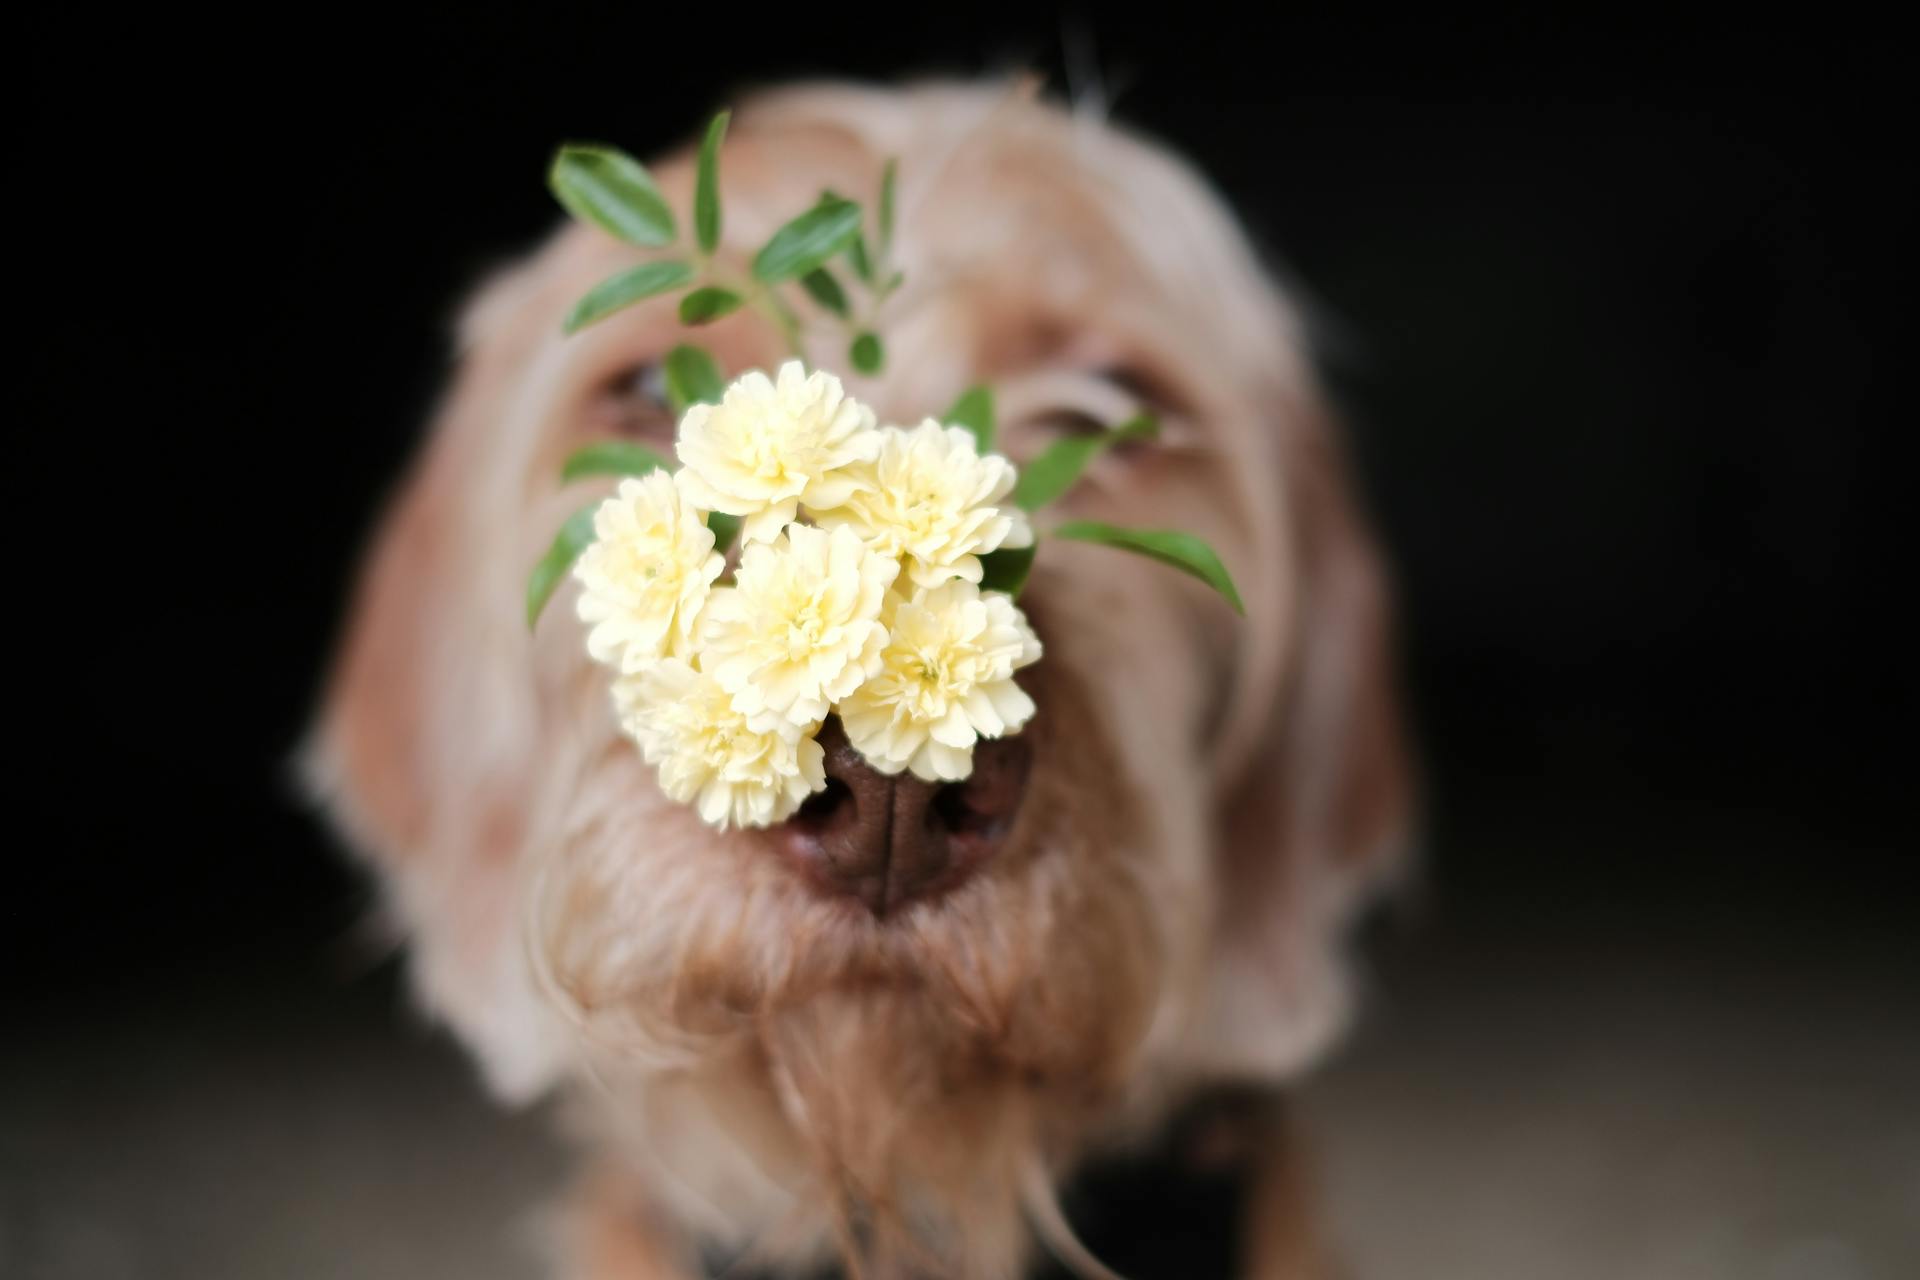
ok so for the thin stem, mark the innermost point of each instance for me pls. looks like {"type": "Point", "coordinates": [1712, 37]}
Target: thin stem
{"type": "Point", "coordinates": [782, 315]}
{"type": "Point", "coordinates": [763, 300]}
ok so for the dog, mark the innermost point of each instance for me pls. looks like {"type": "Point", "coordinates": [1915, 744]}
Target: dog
{"type": "Point", "coordinates": [1141, 900]}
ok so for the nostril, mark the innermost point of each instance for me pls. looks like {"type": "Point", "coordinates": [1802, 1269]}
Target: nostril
{"type": "Point", "coordinates": [965, 811]}
{"type": "Point", "coordinates": [825, 808]}
{"type": "Point", "coordinates": [986, 803]}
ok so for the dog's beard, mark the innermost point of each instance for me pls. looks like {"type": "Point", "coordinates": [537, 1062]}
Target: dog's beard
{"type": "Point", "coordinates": [899, 1080]}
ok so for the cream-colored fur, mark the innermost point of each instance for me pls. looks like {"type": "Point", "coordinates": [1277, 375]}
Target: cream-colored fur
{"type": "Point", "coordinates": [762, 1069]}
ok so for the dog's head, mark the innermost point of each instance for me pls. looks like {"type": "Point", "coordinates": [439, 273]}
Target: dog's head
{"type": "Point", "coordinates": [905, 995]}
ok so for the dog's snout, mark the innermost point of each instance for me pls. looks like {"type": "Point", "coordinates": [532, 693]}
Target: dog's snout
{"type": "Point", "coordinates": [890, 840]}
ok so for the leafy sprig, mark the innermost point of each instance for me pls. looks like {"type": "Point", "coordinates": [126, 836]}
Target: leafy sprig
{"type": "Point", "coordinates": [604, 186]}
{"type": "Point", "coordinates": [610, 189]}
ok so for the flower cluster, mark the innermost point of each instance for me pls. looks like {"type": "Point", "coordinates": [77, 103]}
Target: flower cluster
{"type": "Point", "coordinates": [857, 592]}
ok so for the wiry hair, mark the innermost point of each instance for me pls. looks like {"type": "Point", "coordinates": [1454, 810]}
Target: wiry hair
{"type": "Point", "coordinates": [778, 1073]}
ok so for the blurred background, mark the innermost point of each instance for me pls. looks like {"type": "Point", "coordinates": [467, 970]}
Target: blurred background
{"type": "Point", "coordinates": [1611, 313]}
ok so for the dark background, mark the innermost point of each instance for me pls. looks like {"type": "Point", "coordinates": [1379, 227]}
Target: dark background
{"type": "Point", "coordinates": [1610, 311]}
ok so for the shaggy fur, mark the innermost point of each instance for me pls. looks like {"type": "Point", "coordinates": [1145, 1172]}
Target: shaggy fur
{"type": "Point", "coordinates": [764, 1069]}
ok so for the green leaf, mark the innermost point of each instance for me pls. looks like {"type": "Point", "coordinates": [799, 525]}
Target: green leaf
{"type": "Point", "coordinates": [725, 528]}
{"type": "Point", "coordinates": [1061, 463]}
{"type": "Point", "coordinates": [857, 255]}
{"type": "Point", "coordinates": [612, 458]}
{"type": "Point", "coordinates": [974, 411]}
{"type": "Point", "coordinates": [706, 186]}
{"type": "Point", "coordinates": [867, 354]}
{"type": "Point", "coordinates": [887, 177]}
{"type": "Point", "coordinates": [625, 289]}
{"type": "Point", "coordinates": [704, 306]}
{"type": "Point", "coordinates": [575, 536]}
{"type": "Point", "coordinates": [807, 241]}
{"type": "Point", "coordinates": [1169, 546]}
{"type": "Point", "coordinates": [1007, 570]}
{"type": "Point", "coordinates": [609, 188]}
{"type": "Point", "coordinates": [692, 378]}
{"type": "Point", "coordinates": [825, 290]}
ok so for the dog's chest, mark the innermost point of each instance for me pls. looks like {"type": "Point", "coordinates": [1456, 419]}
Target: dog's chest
{"type": "Point", "coordinates": [1152, 1216]}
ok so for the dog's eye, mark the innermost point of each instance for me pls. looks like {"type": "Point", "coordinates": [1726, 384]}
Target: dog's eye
{"type": "Point", "coordinates": [1067, 421]}
{"type": "Point", "coordinates": [1082, 404]}
{"type": "Point", "coordinates": [632, 404]}
{"type": "Point", "coordinates": [1148, 392]}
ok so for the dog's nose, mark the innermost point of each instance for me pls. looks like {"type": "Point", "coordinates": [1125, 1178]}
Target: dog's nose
{"type": "Point", "coordinates": [889, 840]}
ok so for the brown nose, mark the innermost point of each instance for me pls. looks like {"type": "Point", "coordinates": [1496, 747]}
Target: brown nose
{"type": "Point", "coordinates": [889, 840]}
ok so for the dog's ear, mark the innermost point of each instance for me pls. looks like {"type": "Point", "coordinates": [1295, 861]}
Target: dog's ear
{"type": "Point", "coordinates": [1320, 819]}
{"type": "Point", "coordinates": [426, 733]}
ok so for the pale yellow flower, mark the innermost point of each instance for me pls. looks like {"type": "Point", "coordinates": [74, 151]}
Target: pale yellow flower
{"type": "Point", "coordinates": [945, 681]}
{"type": "Point", "coordinates": [709, 755]}
{"type": "Point", "coordinates": [646, 575]}
{"type": "Point", "coordinates": [772, 444]}
{"type": "Point", "coordinates": [801, 626]}
{"type": "Point", "coordinates": [933, 501]}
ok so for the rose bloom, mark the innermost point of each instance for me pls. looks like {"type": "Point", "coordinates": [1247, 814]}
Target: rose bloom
{"type": "Point", "coordinates": [932, 500]}
{"type": "Point", "coordinates": [945, 681]}
{"type": "Point", "coordinates": [646, 575]}
{"type": "Point", "coordinates": [709, 755]}
{"type": "Point", "coordinates": [770, 445]}
{"type": "Point", "coordinates": [800, 627]}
